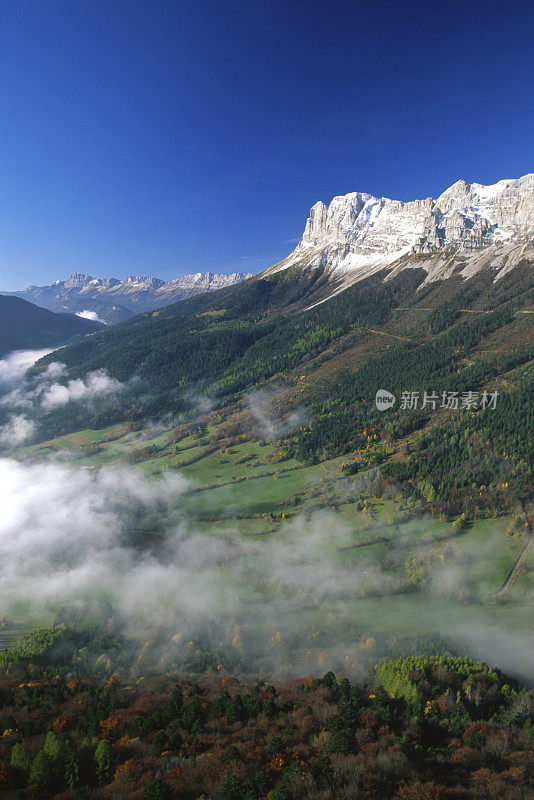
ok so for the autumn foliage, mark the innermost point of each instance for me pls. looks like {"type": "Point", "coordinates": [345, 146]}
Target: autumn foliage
{"type": "Point", "coordinates": [428, 729]}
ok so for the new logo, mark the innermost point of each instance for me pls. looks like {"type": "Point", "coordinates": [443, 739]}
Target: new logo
{"type": "Point", "coordinates": [384, 400]}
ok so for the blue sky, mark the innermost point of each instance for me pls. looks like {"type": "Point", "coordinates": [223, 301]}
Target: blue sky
{"type": "Point", "coordinates": [171, 137]}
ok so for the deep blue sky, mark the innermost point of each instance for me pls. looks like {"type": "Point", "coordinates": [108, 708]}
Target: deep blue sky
{"type": "Point", "coordinates": [170, 137]}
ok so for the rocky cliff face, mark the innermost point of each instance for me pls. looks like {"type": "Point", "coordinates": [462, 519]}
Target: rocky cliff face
{"type": "Point", "coordinates": [472, 216]}
{"type": "Point", "coordinates": [111, 300]}
{"type": "Point", "coordinates": [358, 234]}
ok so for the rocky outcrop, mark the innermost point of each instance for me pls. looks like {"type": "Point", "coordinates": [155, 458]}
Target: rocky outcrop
{"type": "Point", "coordinates": [473, 216]}
{"type": "Point", "coordinates": [358, 234]}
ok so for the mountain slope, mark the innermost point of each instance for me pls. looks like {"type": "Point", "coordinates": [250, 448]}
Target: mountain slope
{"type": "Point", "coordinates": [24, 325]}
{"type": "Point", "coordinates": [404, 326]}
{"type": "Point", "coordinates": [224, 342]}
{"type": "Point", "coordinates": [325, 366]}
{"type": "Point", "coordinates": [113, 300]}
{"type": "Point", "coordinates": [238, 335]}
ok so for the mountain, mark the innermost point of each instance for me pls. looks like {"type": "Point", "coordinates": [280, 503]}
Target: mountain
{"type": "Point", "coordinates": [468, 228]}
{"type": "Point", "coordinates": [111, 300]}
{"type": "Point", "coordinates": [25, 326]}
{"type": "Point", "coordinates": [361, 261]}
{"type": "Point", "coordinates": [362, 305]}
{"type": "Point", "coordinates": [331, 532]}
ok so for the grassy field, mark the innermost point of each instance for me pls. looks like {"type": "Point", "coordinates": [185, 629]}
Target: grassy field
{"type": "Point", "coordinates": [242, 485]}
{"type": "Point", "coordinates": [11, 633]}
{"type": "Point", "coordinates": [411, 572]}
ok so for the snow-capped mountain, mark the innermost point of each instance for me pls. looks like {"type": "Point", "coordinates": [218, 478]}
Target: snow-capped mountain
{"type": "Point", "coordinates": [470, 226]}
{"type": "Point", "coordinates": [110, 300]}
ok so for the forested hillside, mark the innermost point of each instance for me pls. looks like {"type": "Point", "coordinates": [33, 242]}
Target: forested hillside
{"type": "Point", "coordinates": [25, 326]}
{"type": "Point", "coordinates": [229, 340]}
{"type": "Point", "coordinates": [428, 727]}
{"type": "Point", "coordinates": [375, 335]}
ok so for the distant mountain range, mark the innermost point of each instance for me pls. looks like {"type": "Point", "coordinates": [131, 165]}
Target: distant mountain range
{"type": "Point", "coordinates": [110, 300]}
{"type": "Point", "coordinates": [25, 326]}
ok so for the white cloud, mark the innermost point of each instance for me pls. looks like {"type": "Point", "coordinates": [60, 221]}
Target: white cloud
{"type": "Point", "coordinates": [14, 365]}
{"type": "Point", "coordinates": [88, 314]}
{"type": "Point", "coordinates": [71, 536]}
{"type": "Point", "coordinates": [18, 430]}
{"type": "Point", "coordinates": [270, 422]}
{"type": "Point", "coordinates": [64, 533]}
{"type": "Point", "coordinates": [96, 384]}
{"type": "Point", "coordinates": [25, 397]}
{"type": "Point", "coordinates": [45, 390]}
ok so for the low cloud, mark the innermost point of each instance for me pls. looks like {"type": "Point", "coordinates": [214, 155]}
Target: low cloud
{"type": "Point", "coordinates": [71, 536]}
{"type": "Point", "coordinates": [17, 431]}
{"type": "Point", "coordinates": [25, 398]}
{"type": "Point", "coordinates": [272, 423]}
{"type": "Point", "coordinates": [66, 534]}
{"type": "Point", "coordinates": [28, 396]}
{"type": "Point", "coordinates": [96, 384]}
{"type": "Point", "coordinates": [14, 366]}
{"type": "Point", "coordinates": [88, 314]}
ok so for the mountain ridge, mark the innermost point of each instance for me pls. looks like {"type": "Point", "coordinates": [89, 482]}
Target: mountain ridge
{"type": "Point", "coordinates": [24, 325]}
{"type": "Point", "coordinates": [467, 228]}
{"type": "Point", "coordinates": [112, 300]}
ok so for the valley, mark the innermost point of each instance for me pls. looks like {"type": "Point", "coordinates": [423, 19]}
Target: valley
{"type": "Point", "coordinates": [285, 469]}
{"type": "Point", "coordinates": [209, 496]}
{"type": "Point", "coordinates": [266, 401]}
{"type": "Point", "coordinates": [397, 554]}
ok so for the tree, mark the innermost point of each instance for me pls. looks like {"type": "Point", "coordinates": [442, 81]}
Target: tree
{"type": "Point", "coordinates": [156, 790]}
{"type": "Point", "coordinates": [104, 761]}
{"type": "Point", "coordinates": [419, 791]}
{"type": "Point", "coordinates": [42, 770]}
{"type": "Point", "coordinates": [20, 760]}
{"type": "Point", "coordinates": [232, 788]}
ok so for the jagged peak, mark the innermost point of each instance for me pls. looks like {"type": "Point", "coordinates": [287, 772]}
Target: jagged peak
{"type": "Point", "coordinates": [458, 188]}
{"type": "Point", "coordinates": [358, 233]}
{"type": "Point", "coordinates": [136, 293]}
{"type": "Point", "coordinates": [80, 277]}
{"type": "Point", "coordinates": [143, 279]}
